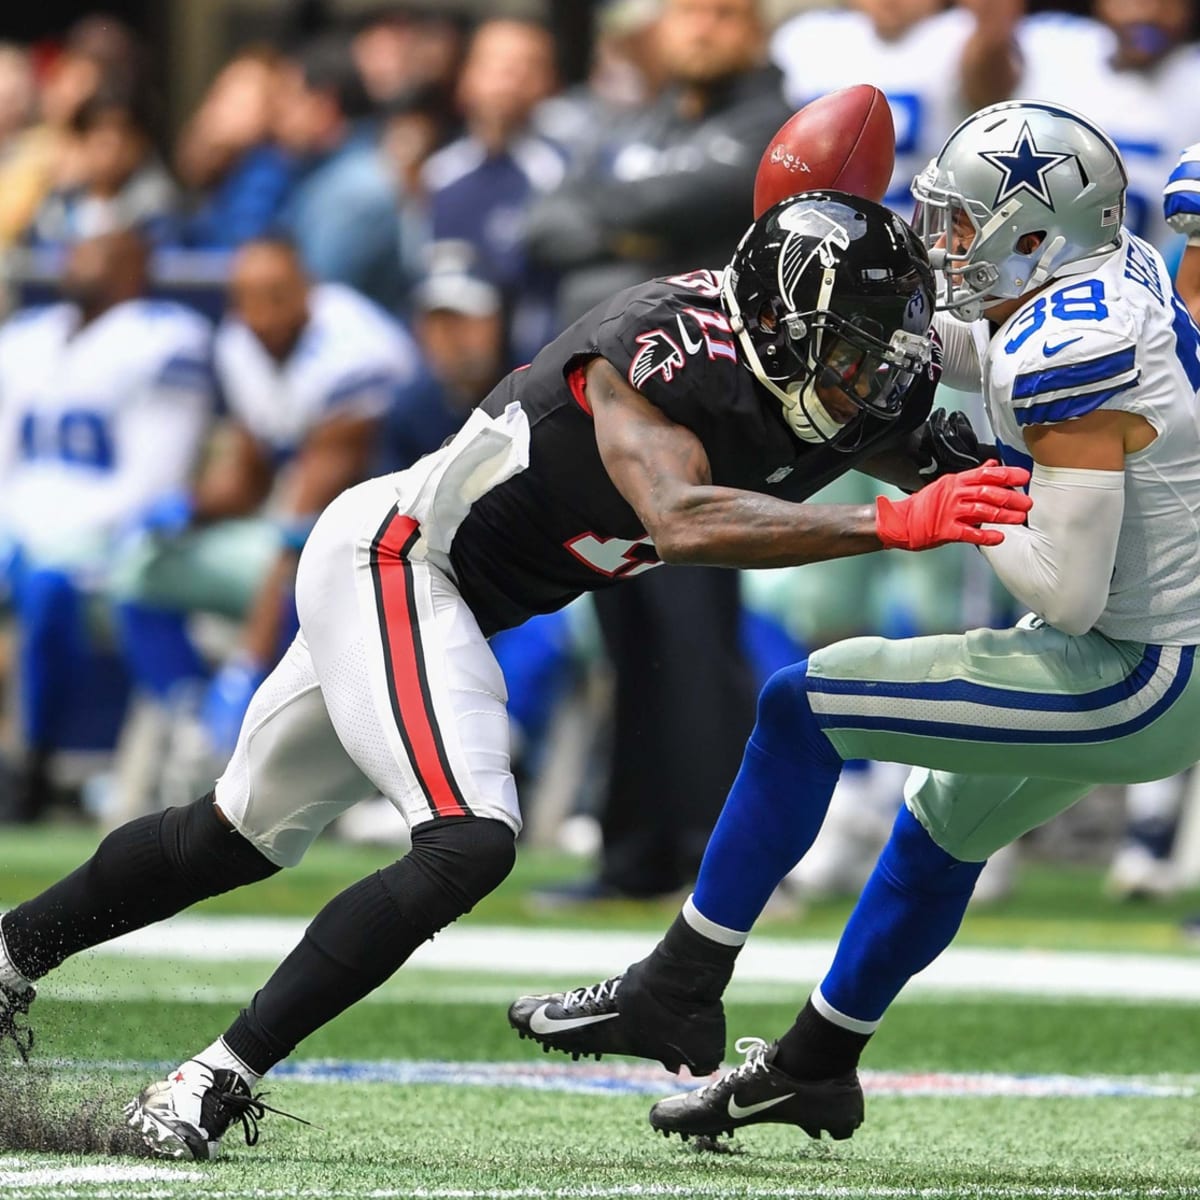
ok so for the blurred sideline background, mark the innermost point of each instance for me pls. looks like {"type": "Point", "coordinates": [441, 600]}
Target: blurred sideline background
{"type": "Point", "coordinates": [307, 236]}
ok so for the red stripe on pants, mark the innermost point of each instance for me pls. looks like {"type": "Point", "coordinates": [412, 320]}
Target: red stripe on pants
{"type": "Point", "coordinates": [411, 699]}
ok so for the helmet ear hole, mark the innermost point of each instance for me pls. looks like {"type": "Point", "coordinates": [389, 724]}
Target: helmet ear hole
{"type": "Point", "coordinates": [1027, 243]}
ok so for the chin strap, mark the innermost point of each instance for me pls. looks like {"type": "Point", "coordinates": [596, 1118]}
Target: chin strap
{"type": "Point", "coordinates": [1045, 263]}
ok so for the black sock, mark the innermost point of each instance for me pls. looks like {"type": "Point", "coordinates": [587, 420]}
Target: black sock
{"type": "Point", "coordinates": [686, 963]}
{"type": "Point", "coordinates": [148, 869]}
{"type": "Point", "coordinates": [816, 1048]}
{"type": "Point", "coordinates": [364, 934]}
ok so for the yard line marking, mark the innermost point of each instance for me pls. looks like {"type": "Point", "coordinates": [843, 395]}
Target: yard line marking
{"type": "Point", "coordinates": [14, 1175]}
{"type": "Point", "coordinates": [521, 951]}
{"type": "Point", "coordinates": [984, 1190]}
{"type": "Point", "coordinates": [647, 1079]}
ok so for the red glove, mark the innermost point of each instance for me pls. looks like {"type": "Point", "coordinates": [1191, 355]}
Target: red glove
{"type": "Point", "coordinates": [952, 509]}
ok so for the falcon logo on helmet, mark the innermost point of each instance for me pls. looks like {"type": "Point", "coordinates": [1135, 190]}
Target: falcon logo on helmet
{"type": "Point", "coordinates": [830, 296]}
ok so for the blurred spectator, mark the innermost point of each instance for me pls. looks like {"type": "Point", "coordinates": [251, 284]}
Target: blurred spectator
{"type": "Point", "coordinates": [226, 154]}
{"type": "Point", "coordinates": [106, 398]}
{"type": "Point", "coordinates": [416, 123]}
{"type": "Point", "coordinates": [671, 186]}
{"type": "Point", "coordinates": [458, 320]}
{"type": "Point", "coordinates": [1132, 68]}
{"type": "Point", "coordinates": [18, 96]}
{"type": "Point", "coordinates": [96, 51]}
{"type": "Point", "coordinates": [404, 48]}
{"type": "Point", "coordinates": [122, 183]}
{"type": "Point", "coordinates": [481, 185]}
{"type": "Point", "coordinates": [342, 210]}
{"type": "Point", "coordinates": [626, 72]}
{"type": "Point", "coordinates": [308, 372]}
{"type": "Point", "coordinates": [935, 61]}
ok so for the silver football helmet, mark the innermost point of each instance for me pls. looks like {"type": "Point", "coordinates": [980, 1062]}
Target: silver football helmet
{"type": "Point", "coordinates": [1022, 167]}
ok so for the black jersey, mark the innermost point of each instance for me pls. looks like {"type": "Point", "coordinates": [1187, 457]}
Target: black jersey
{"type": "Point", "coordinates": [560, 527]}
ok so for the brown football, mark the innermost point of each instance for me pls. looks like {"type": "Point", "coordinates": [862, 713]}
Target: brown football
{"type": "Point", "coordinates": [843, 140]}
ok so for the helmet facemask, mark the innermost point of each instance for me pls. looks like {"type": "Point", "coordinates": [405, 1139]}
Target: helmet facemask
{"type": "Point", "coordinates": [975, 251]}
{"type": "Point", "coordinates": [1021, 193]}
{"type": "Point", "coordinates": [797, 356]}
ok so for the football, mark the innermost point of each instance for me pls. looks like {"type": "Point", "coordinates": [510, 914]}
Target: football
{"type": "Point", "coordinates": [844, 140]}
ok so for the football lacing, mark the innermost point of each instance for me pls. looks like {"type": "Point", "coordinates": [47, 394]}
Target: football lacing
{"type": "Point", "coordinates": [754, 1050]}
{"type": "Point", "coordinates": [594, 993]}
{"type": "Point", "coordinates": [249, 1110]}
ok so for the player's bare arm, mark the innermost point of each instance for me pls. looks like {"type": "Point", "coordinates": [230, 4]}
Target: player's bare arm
{"type": "Point", "coordinates": [663, 472]}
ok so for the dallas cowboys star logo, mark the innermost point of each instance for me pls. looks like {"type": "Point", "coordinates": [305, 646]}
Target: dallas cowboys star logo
{"type": "Point", "coordinates": [1024, 169]}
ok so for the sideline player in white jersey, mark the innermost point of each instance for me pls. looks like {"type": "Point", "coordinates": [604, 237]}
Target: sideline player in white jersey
{"type": "Point", "coordinates": [934, 63]}
{"type": "Point", "coordinates": [104, 400]}
{"type": "Point", "coordinates": [307, 371]}
{"type": "Point", "coordinates": [1090, 367]}
{"type": "Point", "coordinates": [1131, 69]}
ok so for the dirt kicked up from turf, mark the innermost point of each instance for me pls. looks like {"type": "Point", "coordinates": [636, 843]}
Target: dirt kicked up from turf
{"type": "Point", "coordinates": [70, 1116]}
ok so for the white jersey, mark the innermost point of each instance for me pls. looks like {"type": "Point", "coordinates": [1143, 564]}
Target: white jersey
{"type": "Point", "coordinates": [1116, 338]}
{"type": "Point", "coordinates": [95, 423]}
{"type": "Point", "coordinates": [351, 358]}
{"type": "Point", "coordinates": [820, 52]}
{"type": "Point", "coordinates": [1150, 115]}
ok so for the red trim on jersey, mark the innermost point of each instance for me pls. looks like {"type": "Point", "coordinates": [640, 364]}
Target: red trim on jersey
{"type": "Point", "coordinates": [408, 682]}
{"type": "Point", "coordinates": [578, 385]}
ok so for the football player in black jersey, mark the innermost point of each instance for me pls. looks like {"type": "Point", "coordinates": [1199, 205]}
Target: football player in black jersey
{"type": "Point", "coordinates": [683, 421]}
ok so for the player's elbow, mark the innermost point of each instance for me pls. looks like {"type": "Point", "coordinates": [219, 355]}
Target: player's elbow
{"type": "Point", "coordinates": [673, 542]}
{"type": "Point", "coordinates": [1070, 616]}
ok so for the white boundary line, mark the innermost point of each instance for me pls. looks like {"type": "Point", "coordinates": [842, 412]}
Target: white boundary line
{"type": "Point", "coordinates": [500, 950]}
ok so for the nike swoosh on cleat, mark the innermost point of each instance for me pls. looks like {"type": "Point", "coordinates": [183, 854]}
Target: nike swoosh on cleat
{"type": "Point", "coordinates": [737, 1112]}
{"type": "Point", "coordinates": [1050, 351]}
{"type": "Point", "coordinates": [540, 1023]}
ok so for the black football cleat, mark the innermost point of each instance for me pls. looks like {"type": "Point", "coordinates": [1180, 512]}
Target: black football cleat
{"type": "Point", "coordinates": [758, 1093]}
{"type": "Point", "coordinates": [623, 1015]}
{"type": "Point", "coordinates": [14, 1006]}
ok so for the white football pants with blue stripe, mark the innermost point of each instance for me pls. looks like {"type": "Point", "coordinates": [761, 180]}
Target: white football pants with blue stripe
{"type": "Point", "coordinates": [1007, 728]}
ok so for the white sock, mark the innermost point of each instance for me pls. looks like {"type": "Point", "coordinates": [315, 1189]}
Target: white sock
{"type": "Point", "coordinates": [218, 1056]}
{"type": "Point", "coordinates": [9, 975]}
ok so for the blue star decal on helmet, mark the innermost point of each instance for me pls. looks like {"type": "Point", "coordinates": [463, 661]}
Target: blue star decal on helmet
{"type": "Point", "coordinates": [1024, 169]}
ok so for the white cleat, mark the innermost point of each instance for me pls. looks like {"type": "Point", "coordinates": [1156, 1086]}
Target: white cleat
{"type": "Point", "coordinates": [186, 1114]}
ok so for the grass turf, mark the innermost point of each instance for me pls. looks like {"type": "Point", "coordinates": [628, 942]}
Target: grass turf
{"type": "Point", "coordinates": [431, 1140]}
{"type": "Point", "coordinates": [1054, 905]}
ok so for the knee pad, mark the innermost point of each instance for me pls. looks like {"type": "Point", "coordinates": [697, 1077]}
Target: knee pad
{"type": "Point", "coordinates": [453, 864]}
{"type": "Point", "coordinates": [785, 726]}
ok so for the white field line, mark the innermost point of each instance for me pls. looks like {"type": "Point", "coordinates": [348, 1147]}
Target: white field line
{"type": "Point", "coordinates": [591, 954]}
{"type": "Point", "coordinates": [983, 1190]}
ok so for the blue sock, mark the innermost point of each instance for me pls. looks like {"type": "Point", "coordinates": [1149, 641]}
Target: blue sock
{"type": "Point", "coordinates": [775, 808]}
{"type": "Point", "coordinates": [156, 648]}
{"type": "Point", "coordinates": [51, 641]}
{"type": "Point", "coordinates": [907, 915]}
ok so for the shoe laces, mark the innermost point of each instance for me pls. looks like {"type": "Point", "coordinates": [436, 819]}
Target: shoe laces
{"type": "Point", "coordinates": [754, 1052]}
{"type": "Point", "coordinates": [595, 993]}
{"type": "Point", "coordinates": [14, 1004]}
{"type": "Point", "coordinates": [249, 1110]}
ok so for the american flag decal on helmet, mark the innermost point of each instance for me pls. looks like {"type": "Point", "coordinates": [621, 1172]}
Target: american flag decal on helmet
{"type": "Point", "coordinates": [659, 355]}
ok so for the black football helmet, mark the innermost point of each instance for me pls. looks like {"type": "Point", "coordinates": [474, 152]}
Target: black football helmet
{"type": "Point", "coordinates": [831, 297]}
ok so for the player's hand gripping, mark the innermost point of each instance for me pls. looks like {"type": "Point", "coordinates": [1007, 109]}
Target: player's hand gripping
{"type": "Point", "coordinates": [952, 509]}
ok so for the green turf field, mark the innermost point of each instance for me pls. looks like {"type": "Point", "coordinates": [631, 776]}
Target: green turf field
{"type": "Point", "coordinates": [424, 1092]}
